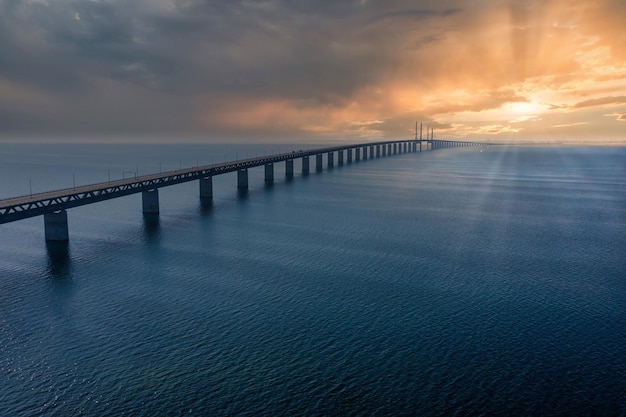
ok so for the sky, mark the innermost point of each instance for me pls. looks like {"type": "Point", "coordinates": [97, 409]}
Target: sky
{"type": "Point", "coordinates": [314, 70]}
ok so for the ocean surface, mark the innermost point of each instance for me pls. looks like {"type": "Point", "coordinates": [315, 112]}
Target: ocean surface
{"type": "Point", "coordinates": [459, 282]}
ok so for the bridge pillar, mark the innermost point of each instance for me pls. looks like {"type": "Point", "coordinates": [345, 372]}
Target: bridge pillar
{"type": "Point", "coordinates": [288, 168]}
{"type": "Point", "coordinates": [395, 148]}
{"type": "Point", "coordinates": [242, 179]}
{"type": "Point", "coordinates": [357, 154]}
{"type": "Point", "coordinates": [371, 152]}
{"type": "Point", "coordinates": [150, 201]}
{"type": "Point", "coordinates": [206, 187]}
{"type": "Point", "coordinates": [305, 165]}
{"type": "Point", "coordinates": [365, 151]}
{"type": "Point", "coordinates": [420, 146]}
{"type": "Point", "coordinates": [318, 162]}
{"type": "Point", "coordinates": [269, 173]}
{"type": "Point", "coordinates": [340, 157]}
{"type": "Point", "coordinates": [331, 159]}
{"type": "Point", "coordinates": [55, 226]}
{"type": "Point", "coordinates": [349, 155]}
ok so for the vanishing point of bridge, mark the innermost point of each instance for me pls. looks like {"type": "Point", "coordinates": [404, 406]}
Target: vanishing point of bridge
{"type": "Point", "coordinates": [53, 204]}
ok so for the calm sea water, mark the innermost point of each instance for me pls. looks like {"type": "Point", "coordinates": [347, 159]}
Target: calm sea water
{"type": "Point", "coordinates": [455, 282]}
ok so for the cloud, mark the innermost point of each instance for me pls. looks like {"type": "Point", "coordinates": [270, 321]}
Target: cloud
{"type": "Point", "coordinates": [620, 117]}
{"type": "Point", "coordinates": [412, 14]}
{"type": "Point", "coordinates": [302, 67]}
{"type": "Point", "coordinates": [600, 102]}
{"type": "Point", "coordinates": [571, 124]}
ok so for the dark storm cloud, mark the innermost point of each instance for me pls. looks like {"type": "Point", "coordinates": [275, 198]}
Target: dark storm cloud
{"type": "Point", "coordinates": [323, 51]}
{"type": "Point", "coordinates": [28, 62]}
{"type": "Point", "coordinates": [198, 45]}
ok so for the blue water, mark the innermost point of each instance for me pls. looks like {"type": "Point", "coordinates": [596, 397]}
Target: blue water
{"type": "Point", "coordinates": [479, 281]}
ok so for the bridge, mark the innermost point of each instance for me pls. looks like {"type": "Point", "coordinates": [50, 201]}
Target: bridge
{"type": "Point", "coordinates": [53, 204]}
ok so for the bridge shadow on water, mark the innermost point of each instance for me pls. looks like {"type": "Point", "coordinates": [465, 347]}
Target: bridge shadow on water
{"type": "Point", "coordinates": [151, 227]}
{"type": "Point", "coordinates": [243, 194]}
{"type": "Point", "coordinates": [205, 207]}
{"type": "Point", "coordinates": [59, 260]}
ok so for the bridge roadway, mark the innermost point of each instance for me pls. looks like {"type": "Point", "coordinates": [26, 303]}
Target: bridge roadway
{"type": "Point", "coordinates": [53, 204]}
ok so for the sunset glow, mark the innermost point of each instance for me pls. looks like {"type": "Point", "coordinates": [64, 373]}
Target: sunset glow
{"type": "Point", "coordinates": [516, 70]}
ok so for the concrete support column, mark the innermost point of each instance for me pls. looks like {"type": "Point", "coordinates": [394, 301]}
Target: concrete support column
{"type": "Point", "coordinates": [357, 154]}
{"type": "Point", "coordinates": [340, 157]}
{"type": "Point", "coordinates": [331, 159]}
{"type": "Point", "coordinates": [150, 201]}
{"type": "Point", "coordinates": [305, 165]}
{"type": "Point", "coordinates": [55, 226]}
{"type": "Point", "coordinates": [395, 148]}
{"type": "Point", "coordinates": [242, 179]}
{"type": "Point", "coordinates": [269, 173]}
{"type": "Point", "coordinates": [377, 151]}
{"type": "Point", "coordinates": [349, 155]}
{"type": "Point", "coordinates": [365, 151]}
{"type": "Point", "coordinates": [206, 187]}
{"type": "Point", "coordinates": [384, 150]}
{"type": "Point", "coordinates": [372, 152]}
{"type": "Point", "coordinates": [288, 168]}
{"type": "Point", "coordinates": [318, 162]}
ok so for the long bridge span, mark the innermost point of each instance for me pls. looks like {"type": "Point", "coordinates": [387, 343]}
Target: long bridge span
{"type": "Point", "coordinates": [53, 204]}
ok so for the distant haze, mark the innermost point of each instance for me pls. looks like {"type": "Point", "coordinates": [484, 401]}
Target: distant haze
{"type": "Point", "coordinates": [313, 70]}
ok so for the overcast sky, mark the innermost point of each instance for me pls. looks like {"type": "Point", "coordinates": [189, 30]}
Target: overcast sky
{"type": "Point", "coordinates": [314, 69]}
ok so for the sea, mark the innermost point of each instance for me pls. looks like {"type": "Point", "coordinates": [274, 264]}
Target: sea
{"type": "Point", "coordinates": [481, 281]}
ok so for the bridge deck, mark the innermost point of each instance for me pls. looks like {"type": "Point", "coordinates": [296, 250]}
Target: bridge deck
{"type": "Point", "coordinates": [18, 208]}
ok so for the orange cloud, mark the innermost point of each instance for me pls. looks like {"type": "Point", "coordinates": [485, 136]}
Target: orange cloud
{"type": "Point", "coordinates": [603, 101]}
